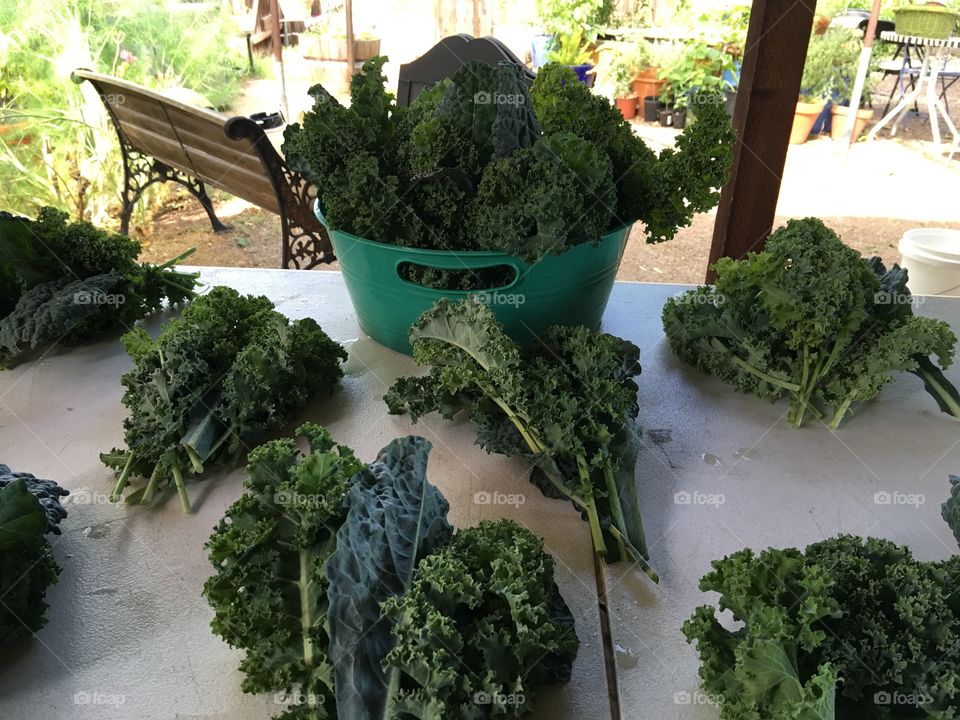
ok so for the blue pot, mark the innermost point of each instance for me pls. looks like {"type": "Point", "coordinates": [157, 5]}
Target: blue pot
{"type": "Point", "coordinates": [582, 76]}
{"type": "Point", "coordinates": [539, 47]}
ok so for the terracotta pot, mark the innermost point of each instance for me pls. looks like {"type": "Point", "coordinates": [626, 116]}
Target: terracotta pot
{"type": "Point", "coordinates": [803, 120]}
{"type": "Point", "coordinates": [627, 107]}
{"type": "Point", "coordinates": [14, 134]}
{"type": "Point", "coordinates": [646, 83]}
{"type": "Point", "coordinates": [838, 123]}
{"type": "Point", "coordinates": [318, 47]}
{"type": "Point", "coordinates": [820, 24]}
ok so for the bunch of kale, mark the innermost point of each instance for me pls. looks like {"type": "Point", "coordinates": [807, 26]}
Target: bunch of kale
{"type": "Point", "coordinates": [63, 282]}
{"type": "Point", "coordinates": [567, 405]}
{"type": "Point", "coordinates": [29, 509]}
{"type": "Point", "coordinates": [848, 629]}
{"type": "Point", "coordinates": [810, 319]}
{"type": "Point", "coordinates": [482, 162]}
{"type": "Point", "coordinates": [349, 593]}
{"type": "Point", "coordinates": [215, 380]}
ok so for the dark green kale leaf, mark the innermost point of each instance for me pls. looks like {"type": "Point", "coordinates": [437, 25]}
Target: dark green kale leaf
{"type": "Point", "coordinates": [811, 319]}
{"type": "Point", "coordinates": [269, 554]}
{"type": "Point", "coordinates": [482, 618]}
{"type": "Point", "coordinates": [27, 565]}
{"type": "Point", "coordinates": [951, 508]}
{"type": "Point", "coordinates": [46, 491]}
{"type": "Point", "coordinates": [230, 369]}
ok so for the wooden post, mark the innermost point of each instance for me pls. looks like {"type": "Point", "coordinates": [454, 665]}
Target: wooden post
{"type": "Point", "coordinates": [351, 60]}
{"type": "Point", "coordinates": [773, 59]}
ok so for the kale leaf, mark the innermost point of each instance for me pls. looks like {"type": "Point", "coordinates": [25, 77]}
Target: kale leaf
{"type": "Point", "coordinates": [951, 508]}
{"type": "Point", "coordinates": [828, 632]}
{"type": "Point", "coordinates": [230, 369]}
{"type": "Point", "coordinates": [67, 283]}
{"type": "Point", "coordinates": [344, 589]}
{"type": "Point", "coordinates": [46, 491]}
{"type": "Point", "coordinates": [27, 565]}
{"type": "Point", "coordinates": [568, 406]}
{"type": "Point", "coordinates": [810, 319]}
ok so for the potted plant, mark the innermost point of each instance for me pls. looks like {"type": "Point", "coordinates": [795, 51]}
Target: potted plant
{"type": "Point", "coordinates": [700, 67]}
{"type": "Point", "coordinates": [814, 89]}
{"type": "Point", "coordinates": [570, 29]}
{"type": "Point", "coordinates": [843, 47]}
{"type": "Point", "coordinates": [623, 90]}
{"type": "Point", "coordinates": [572, 50]}
{"type": "Point", "coordinates": [647, 61]}
{"type": "Point", "coordinates": [614, 76]}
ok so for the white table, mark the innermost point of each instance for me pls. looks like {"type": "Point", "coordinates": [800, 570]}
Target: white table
{"type": "Point", "coordinates": [127, 619]}
{"type": "Point", "coordinates": [933, 60]}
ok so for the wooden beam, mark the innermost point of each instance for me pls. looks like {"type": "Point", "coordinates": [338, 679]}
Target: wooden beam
{"type": "Point", "coordinates": [351, 48]}
{"type": "Point", "coordinates": [773, 59]}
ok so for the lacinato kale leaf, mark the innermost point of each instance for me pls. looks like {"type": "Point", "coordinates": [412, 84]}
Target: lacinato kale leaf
{"type": "Point", "coordinates": [394, 518]}
{"type": "Point", "coordinates": [66, 283]}
{"type": "Point", "coordinates": [830, 632]}
{"type": "Point", "coordinates": [568, 406]}
{"type": "Point", "coordinates": [810, 319]}
{"type": "Point", "coordinates": [27, 565]}
{"type": "Point", "coordinates": [342, 586]}
{"type": "Point", "coordinates": [230, 369]}
{"type": "Point", "coordinates": [951, 508]}
{"type": "Point", "coordinates": [46, 491]}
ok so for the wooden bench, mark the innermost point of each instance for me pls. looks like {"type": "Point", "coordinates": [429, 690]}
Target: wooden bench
{"type": "Point", "coordinates": [164, 140]}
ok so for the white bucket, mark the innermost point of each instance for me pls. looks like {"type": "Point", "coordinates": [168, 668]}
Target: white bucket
{"type": "Point", "coordinates": [932, 259]}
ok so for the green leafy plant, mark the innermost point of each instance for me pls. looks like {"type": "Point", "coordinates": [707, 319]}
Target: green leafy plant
{"type": "Point", "coordinates": [699, 68]}
{"type": "Point", "coordinates": [830, 69]}
{"type": "Point", "coordinates": [570, 49]}
{"type": "Point", "coordinates": [810, 319]}
{"type": "Point", "coordinates": [566, 17]}
{"type": "Point", "coordinates": [831, 633]}
{"type": "Point", "coordinates": [27, 565]}
{"type": "Point", "coordinates": [479, 146]}
{"type": "Point", "coordinates": [569, 407]}
{"type": "Point", "coordinates": [66, 283]}
{"type": "Point", "coordinates": [343, 586]}
{"type": "Point", "coordinates": [229, 370]}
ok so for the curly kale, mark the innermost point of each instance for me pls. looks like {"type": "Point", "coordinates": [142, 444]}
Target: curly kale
{"type": "Point", "coordinates": [230, 369]}
{"type": "Point", "coordinates": [459, 635]}
{"type": "Point", "coordinates": [482, 162]}
{"type": "Point", "coordinates": [27, 565]}
{"type": "Point", "coordinates": [830, 632]}
{"type": "Point", "coordinates": [63, 282]}
{"type": "Point", "coordinates": [568, 406]}
{"type": "Point", "coordinates": [810, 319]}
{"type": "Point", "coordinates": [337, 580]}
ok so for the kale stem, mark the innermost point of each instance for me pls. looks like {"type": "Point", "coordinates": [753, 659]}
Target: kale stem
{"type": "Point", "coordinates": [841, 411]}
{"type": "Point", "coordinates": [151, 488]}
{"type": "Point", "coordinates": [953, 408]}
{"type": "Point", "coordinates": [122, 480]}
{"type": "Point", "coordinates": [635, 554]}
{"type": "Point", "coordinates": [306, 621]}
{"type": "Point", "coordinates": [586, 488]}
{"type": "Point", "coordinates": [173, 261]}
{"type": "Point", "coordinates": [195, 460]}
{"type": "Point", "coordinates": [181, 488]}
{"type": "Point", "coordinates": [533, 443]}
{"type": "Point", "coordinates": [792, 387]}
{"type": "Point", "coordinates": [615, 508]}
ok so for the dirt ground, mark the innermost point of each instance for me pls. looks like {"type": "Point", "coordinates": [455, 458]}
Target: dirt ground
{"type": "Point", "coordinates": [869, 196]}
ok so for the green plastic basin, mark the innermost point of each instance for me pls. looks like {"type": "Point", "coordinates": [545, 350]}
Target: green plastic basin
{"type": "Point", "coordinates": [568, 289]}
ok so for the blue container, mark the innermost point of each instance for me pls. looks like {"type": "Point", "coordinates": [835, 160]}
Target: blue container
{"type": "Point", "coordinates": [582, 74]}
{"type": "Point", "coordinates": [539, 47]}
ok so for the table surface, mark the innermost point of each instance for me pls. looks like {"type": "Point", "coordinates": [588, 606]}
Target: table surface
{"type": "Point", "coordinates": [128, 633]}
{"type": "Point", "coordinates": [891, 36]}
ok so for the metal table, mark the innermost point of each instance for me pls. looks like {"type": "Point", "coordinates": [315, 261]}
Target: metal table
{"type": "Point", "coordinates": [128, 635]}
{"type": "Point", "coordinates": [933, 60]}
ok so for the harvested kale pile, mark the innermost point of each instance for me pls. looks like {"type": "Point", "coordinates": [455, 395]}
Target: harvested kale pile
{"type": "Point", "coordinates": [67, 283]}
{"type": "Point", "coordinates": [810, 319]}
{"type": "Point", "coordinates": [46, 491]}
{"type": "Point", "coordinates": [568, 406]}
{"type": "Point", "coordinates": [351, 596]}
{"type": "Point", "coordinates": [848, 629]}
{"type": "Point", "coordinates": [29, 509]}
{"type": "Point", "coordinates": [215, 380]}
{"type": "Point", "coordinates": [482, 162]}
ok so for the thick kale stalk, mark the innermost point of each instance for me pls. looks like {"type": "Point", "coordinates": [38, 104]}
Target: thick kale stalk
{"type": "Point", "coordinates": [568, 407]}
{"type": "Point", "coordinates": [214, 381]}
{"type": "Point", "coordinates": [67, 283]}
{"type": "Point", "coordinates": [345, 590]}
{"type": "Point", "coordinates": [810, 319]}
{"type": "Point", "coordinates": [848, 629]}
